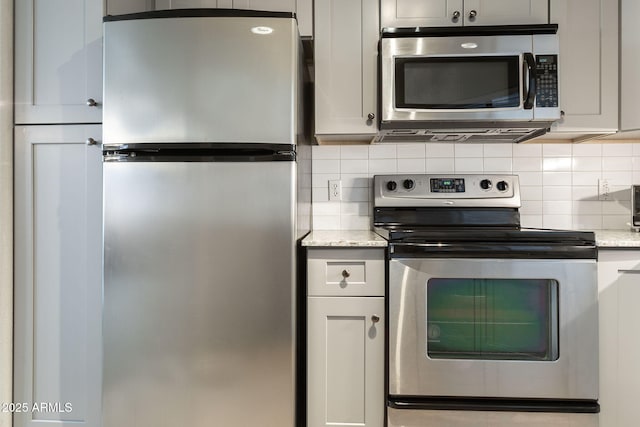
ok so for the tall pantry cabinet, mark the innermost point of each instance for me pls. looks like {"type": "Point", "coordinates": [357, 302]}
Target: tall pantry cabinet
{"type": "Point", "coordinates": [58, 212]}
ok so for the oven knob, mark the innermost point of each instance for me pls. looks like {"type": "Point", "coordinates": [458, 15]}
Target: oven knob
{"type": "Point", "coordinates": [485, 184]}
{"type": "Point", "coordinates": [408, 184]}
{"type": "Point", "coordinates": [391, 186]}
{"type": "Point", "coordinates": [502, 186]}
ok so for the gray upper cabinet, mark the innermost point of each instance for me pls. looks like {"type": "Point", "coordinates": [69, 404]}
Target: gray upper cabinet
{"type": "Point", "coordinates": [443, 13]}
{"type": "Point", "coordinates": [629, 66]}
{"type": "Point", "coordinates": [588, 66]}
{"type": "Point", "coordinates": [58, 61]}
{"type": "Point", "coordinates": [346, 50]}
{"type": "Point", "coordinates": [120, 7]}
{"type": "Point", "coordinates": [302, 8]}
{"type": "Point", "coordinates": [272, 5]}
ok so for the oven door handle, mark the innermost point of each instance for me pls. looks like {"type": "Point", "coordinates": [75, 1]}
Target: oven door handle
{"type": "Point", "coordinates": [492, 250]}
{"type": "Point", "coordinates": [530, 62]}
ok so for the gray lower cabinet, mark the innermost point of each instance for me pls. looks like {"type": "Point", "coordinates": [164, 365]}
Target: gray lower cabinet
{"type": "Point", "coordinates": [58, 276]}
{"type": "Point", "coordinates": [345, 338]}
{"type": "Point", "coordinates": [619, 293]}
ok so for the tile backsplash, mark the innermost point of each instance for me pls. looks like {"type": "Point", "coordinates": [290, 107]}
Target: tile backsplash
{"type": "Point", "coordinates": [558, 182]}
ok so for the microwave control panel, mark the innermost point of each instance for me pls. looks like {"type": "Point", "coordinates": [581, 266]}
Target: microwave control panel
{"type": "Point", "coordinates": [546, 80]}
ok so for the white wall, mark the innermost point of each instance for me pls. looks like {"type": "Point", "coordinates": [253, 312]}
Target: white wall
{"type": "Point", "coordinates": [6, 205]}
{"type": "Point", "coordinates": [559, 182]}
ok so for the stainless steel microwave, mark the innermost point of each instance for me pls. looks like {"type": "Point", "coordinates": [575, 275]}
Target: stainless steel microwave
{"type": "Point", "coordinates": [460, 84]}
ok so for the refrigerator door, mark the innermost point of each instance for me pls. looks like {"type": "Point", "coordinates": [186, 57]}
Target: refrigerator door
{"type": "Point", "coordinates": [195, 76]}
{"type": "Point", "coordinates": [199, 294]}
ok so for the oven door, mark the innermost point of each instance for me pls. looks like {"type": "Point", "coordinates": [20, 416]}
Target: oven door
{"type": "Point", "coordinates": [458, 78]}
{"type": "Point", "coordinates": [493, 328]}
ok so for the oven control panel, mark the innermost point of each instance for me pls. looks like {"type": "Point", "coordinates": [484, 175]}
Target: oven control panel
{"type": "Point", "coordinates": [473, 190]}
{"type": "Point", "coordinates": [447, 185]}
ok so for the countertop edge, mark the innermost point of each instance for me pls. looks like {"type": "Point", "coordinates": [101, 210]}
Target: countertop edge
{"type": "Point", "coordinates": [605, 239]}
{"type": "Point", "coordinates": [617, 239]}
{"type": "Point", "coordinates": [344, 239]}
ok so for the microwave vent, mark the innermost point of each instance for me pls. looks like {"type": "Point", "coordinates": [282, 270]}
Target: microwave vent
{"type": "Point", "coordinates": [485, 135]}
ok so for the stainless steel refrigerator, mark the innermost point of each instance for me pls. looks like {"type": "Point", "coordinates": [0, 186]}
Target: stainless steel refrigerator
{"type": "Point", "coordinates": [206, 194]}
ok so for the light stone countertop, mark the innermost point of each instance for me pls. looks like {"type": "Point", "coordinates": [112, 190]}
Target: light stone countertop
{"type": "Point", "coordinates": [348, 238]}
{"type": "Point", "coordinates": [617, 239]}
{"type": "Point", "coordinates": [343, 238]}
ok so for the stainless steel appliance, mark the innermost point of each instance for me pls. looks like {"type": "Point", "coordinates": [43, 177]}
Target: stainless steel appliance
{"type": "Point", "coordinates": [468, 83]}
{"type": "Point", "coordinates": [205, 196]}
{"type": "Point", "coordinates": [490, 324]}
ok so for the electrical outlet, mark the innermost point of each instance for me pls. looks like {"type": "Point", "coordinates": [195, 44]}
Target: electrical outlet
{"type": "Point", "coordinates": [335, 190]}
{"type": "Point", "coordinates": [604, 190]}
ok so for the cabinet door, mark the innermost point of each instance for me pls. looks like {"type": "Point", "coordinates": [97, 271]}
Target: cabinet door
{"type": "Point", "coordinates": [619, 293]}
{"type": "Point", "coordinates": [120, 7]}
{"type": "Point", "coordinates": [345, 362]}
{"type": "Point", "coordinates": [58, 276]}
{"type": "Point", "coordinates": [302, 8]}
{"type": "Point", "coordinates": [629, 65]}
{"type": "Point", "coordinates": [346, 50]}
{"type": "Point", "coordinates": [187, 4]}
{"type": "Point", "coordinates": [588, 64]}
{"type": "Point", "coordinates": [421, 13]}
{"type": "Point", "coordinates": [271, 5]}
{"type": "Point", "coordinates": [58, 61]}
{"type": "Point", "coordinates": [629, 344]}
{"type": "Point", "coordinates": [506, 12]}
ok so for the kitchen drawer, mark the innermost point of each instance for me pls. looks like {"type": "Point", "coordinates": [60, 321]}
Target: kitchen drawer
{"type": "Point", "coordinates": [345, 272]}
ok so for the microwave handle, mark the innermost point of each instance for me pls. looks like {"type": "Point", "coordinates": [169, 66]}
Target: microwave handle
{"type": "Point", "coordinates": [530, 61]}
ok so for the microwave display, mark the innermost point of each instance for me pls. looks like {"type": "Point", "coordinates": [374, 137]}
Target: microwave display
{"type": "Point", "coordinates": [458, 82]}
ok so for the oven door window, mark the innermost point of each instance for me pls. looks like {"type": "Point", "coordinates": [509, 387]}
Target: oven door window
{"type": "Point", "coordinates": [492, 319]}
{"type": "Point", "coordinates": [474, 82]}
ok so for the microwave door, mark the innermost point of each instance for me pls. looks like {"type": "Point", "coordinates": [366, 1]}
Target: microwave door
{"type": "Point", "coordinates": [435, 79]}
{"type": "Point", "coordinates": [478, 87]}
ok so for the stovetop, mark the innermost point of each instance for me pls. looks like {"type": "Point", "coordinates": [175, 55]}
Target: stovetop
{"type": "Point", "coordinates": [470, 214]}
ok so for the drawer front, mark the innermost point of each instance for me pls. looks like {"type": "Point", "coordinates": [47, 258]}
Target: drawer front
{"type": "Point", "coordinates": [345, 272]}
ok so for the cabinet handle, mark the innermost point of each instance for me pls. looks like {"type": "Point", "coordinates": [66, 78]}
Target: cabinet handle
{"type": "Point", "coordinates": [92, 102]}
{"type": "Point", "coordinates": [455, 15]}
{"type": "Point", "coordinates": [345, 274]}
{"type": "Point", "coordinates": [473, 14]}
{"type": "Point", "coordinates": [629, 271]}
{"type": "Point", "coordinates": [91, 141]}
{"type": "Point", "coordinates": [375, 318]}
{"type": "Point", "coordinates": [371, 116]}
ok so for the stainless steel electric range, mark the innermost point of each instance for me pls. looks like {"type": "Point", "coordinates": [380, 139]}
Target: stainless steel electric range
{"type": "Point", "coordinates": [490, 324]}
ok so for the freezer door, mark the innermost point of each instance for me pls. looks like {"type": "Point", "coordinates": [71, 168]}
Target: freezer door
{"type": "Point", "coordinates": [199, 294]}
{"type": "Point", "coordinates": [200, 79]}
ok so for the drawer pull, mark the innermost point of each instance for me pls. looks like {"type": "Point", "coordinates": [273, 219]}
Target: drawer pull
{"type": "Point", "coordinates": [345, 274]}
{"type": "Point", "coordinates": [629, 271]}
{"type": "Point", "coordinates": [375, 318]}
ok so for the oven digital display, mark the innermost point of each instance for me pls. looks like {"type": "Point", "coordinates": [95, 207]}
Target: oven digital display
{"type": "Point", "coordinates": [447, 185]}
